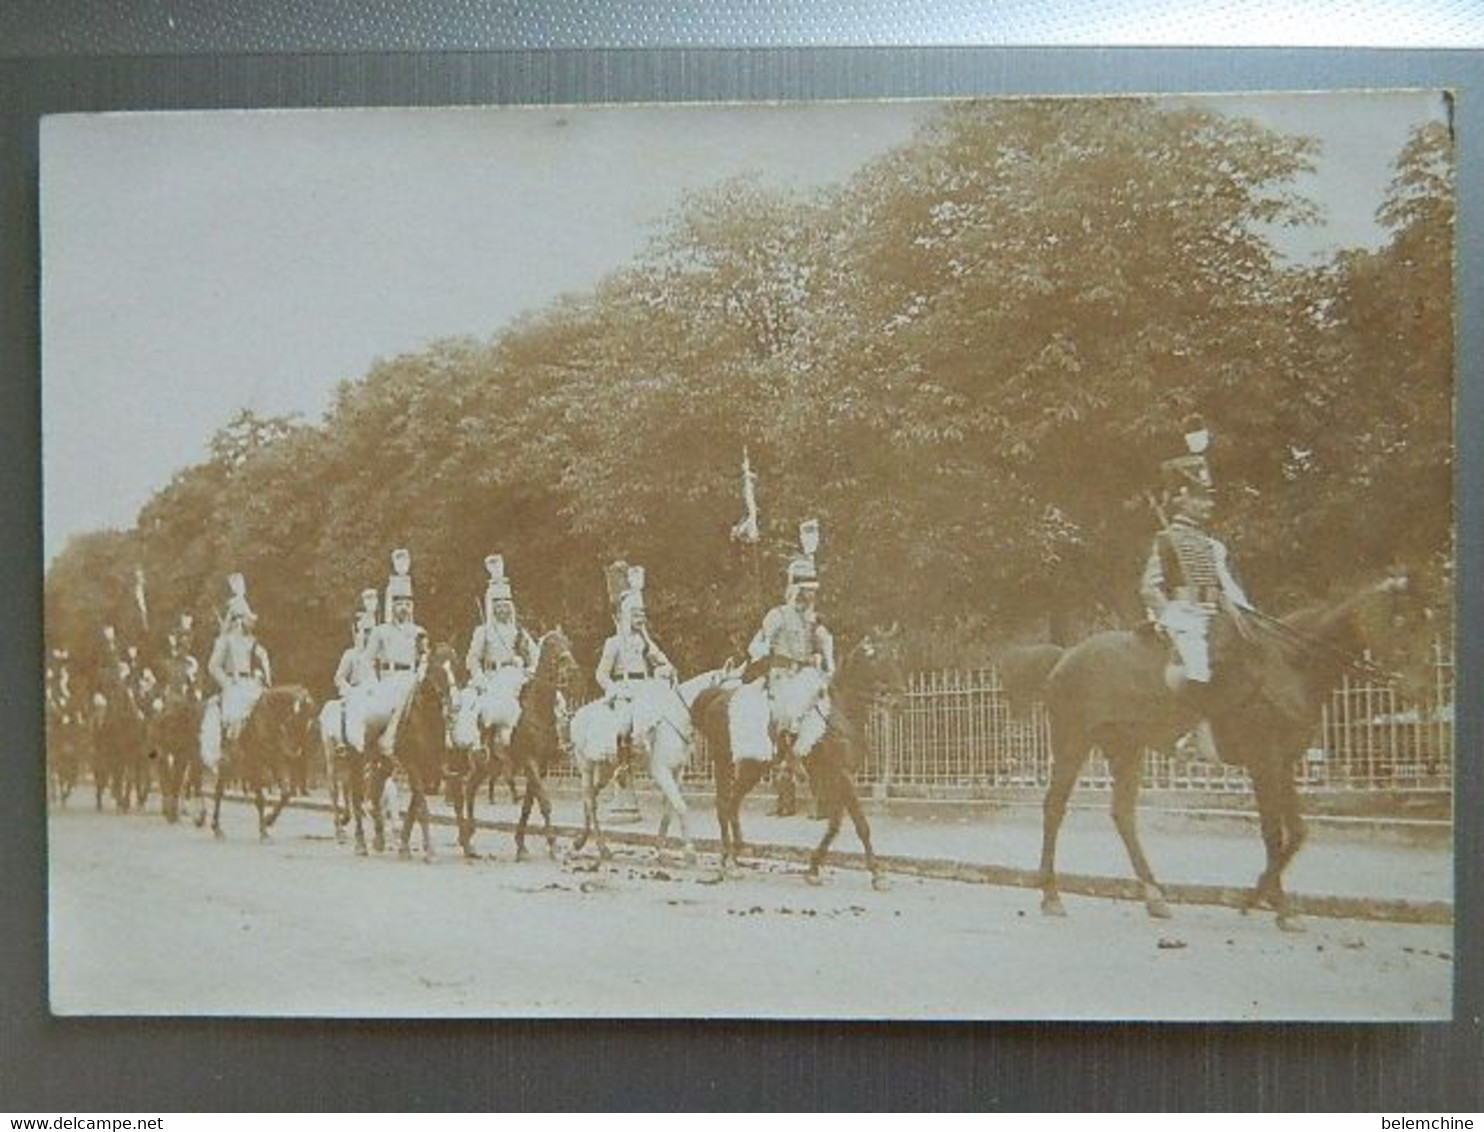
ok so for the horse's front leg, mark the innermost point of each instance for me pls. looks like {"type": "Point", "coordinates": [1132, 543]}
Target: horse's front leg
{"type": "Point", "coordinates": [216, 805]}
{"type": "Point", "coordinates": [748, 773]}
{"type": "Point", "coordinates": [375, 778]}
{"type": "Point", "coordinates": [536, 784]}
{"type": "Point", "coordinates": [285, 782]}
{"type": "Point", "coordinates": [606, 772]}
{"type": "Point", "coordinates": [1126, 762]}
{"type": "Point", "coordinates": [1069, 750]}
{"type": "Point", "coordinates": [586, 778]}
{"type": "Point", "coordinates": [1283, 834]}
{"type": "Point", "coordinates": [852, 806]}
{"type": "Point", "coordinates": [409, 818]}
{"type": "Point", "coordinates": [355, 796]}
{"type": "Point", "coordinates": [424, 821]}
{"type": "Point", "coordinates": [665, 778]}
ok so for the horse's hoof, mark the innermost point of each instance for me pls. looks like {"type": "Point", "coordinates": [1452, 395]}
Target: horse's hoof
{"type": "Point", "coordinates": [379, 844]}
{"type": "Point", "coordinates": [1052, 906]}
{"type": "Point", "coordinates": [429, 857]}
{"type": "Point", "coordinates": [264, 837]}
{"type": "Point", "coordinates": [470, 852]}
{"type": "Point", "coordinates": [1291, 922]}
{"type": "Point", "coordinates": [1159, 910]}
{"type": "Point", "coordinates": [218, 833]}
{"type": "Point", "coordinates": [361, 849]}
{"type": "Point", "coordinates": [405, 852]}
{"type": "Point", "coordinates": [812, 877]}
{"type": "Point", "coordinates": [605, 853]}
{"type": "Point", "coordinates": [521, 853]}
{"type": "Point", "coordinates": [880, 883]}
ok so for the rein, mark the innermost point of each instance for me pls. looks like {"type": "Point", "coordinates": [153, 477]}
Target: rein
{"type": "Point", "coordinates": [1309, 642]}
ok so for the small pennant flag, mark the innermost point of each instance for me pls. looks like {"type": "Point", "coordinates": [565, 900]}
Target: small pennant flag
{"type": "Point", "coordinates": [746, 528]}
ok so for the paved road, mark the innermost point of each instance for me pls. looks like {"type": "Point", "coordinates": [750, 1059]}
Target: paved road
{"type": "Point", "coordinates": [157, 919]}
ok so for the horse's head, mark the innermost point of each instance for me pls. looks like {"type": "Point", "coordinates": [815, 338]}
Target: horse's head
{"type": "Point", "coordinates": [877, 667]}
{"type": "Point", "coordinates": [441, 680]}
{"type": "Point", "coordinates": [1385, 629]}
{"type": "Point", "coordinates": [555, 663]}
{"type": "Point", "coordinates": [285, 719]}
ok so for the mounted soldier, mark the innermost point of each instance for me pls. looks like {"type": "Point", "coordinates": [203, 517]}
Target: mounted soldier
{"type": "Point", "coordinates": [796, 653]}
{"type": "Point", "coordinates": [1187, 582]}
{"type": "Point", "coordinates": [633, 670]}
{"type": "Point", "coordinates": [500, 659]}
{"type": "Point", "coordinates": [182, 669]}
{"type": "Point", "coordinates": [398, 651]}
{"type": "Point", "coordinates": [355, 678]}
{"type": "Point", "coordinates": [240, 667]}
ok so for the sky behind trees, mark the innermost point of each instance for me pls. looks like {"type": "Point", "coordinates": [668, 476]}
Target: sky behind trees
{"type": "Point", "coordinates": [198, 263]}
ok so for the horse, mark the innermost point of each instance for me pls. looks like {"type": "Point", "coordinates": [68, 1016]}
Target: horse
{"type": "Point", "coordinates": [421, 746]}
{"type": "Point", "coordinates": [271, 741]}
{"type": "Point", "coordinates": [66, 731]}
{"type": "Point", "coordinates": [172, 730]}
{"type": "Point", "coordinates": [479, 743]}
{"type": "Point", "coordinates": [116, 728]}
{"type": "Point", "coordinates": [345, 774]}
{"type": "Point", "coordinates": [663, 736]}
{"type": "Point", "coordinates": [1273, 677]}
{"type": "Point", "coordinates": [872, 671]}
{"type": "Point", "coordinates": [536, 742]}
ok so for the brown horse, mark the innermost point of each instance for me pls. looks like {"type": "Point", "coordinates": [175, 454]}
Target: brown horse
{"type": "Point", "coordinates": [116, 731]}
{"type": "Point", "coordinates": [273, 739]}
{"type": "Point", "coordinates": [1272, 679]}
{"type": "Point", "coordinates": [421, 748]}
{"type": "Point", "coordinates": [174, 729]}
{"type": "Point", "coordinates": [871, 672]}
{"type": "Point", "coordinates": [536, 742]}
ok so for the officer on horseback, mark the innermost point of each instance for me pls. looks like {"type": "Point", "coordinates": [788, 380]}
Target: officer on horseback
{"type": "Point", "coordinates": [240, 666]}
{"type": "Point", "coordinates": [500, 641]}
{"type": "Point", "coordinates": [398, 651]}
{"type": "Point", "coordinates": [1187, 582]}
{"type": "Point", "coordinates": [630, 658]}
{"type": "Point", "coordinates": [354, 675]}
{"type": "Point", "coordinates": [182, 670]}
{"type": "Point", "coordinates": [793, 641]}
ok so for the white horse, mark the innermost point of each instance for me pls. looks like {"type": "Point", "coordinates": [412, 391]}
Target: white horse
{"type": "Point", "coordinates": [345, 774]}
{"type": "Point", "coordinates": [662, 738]}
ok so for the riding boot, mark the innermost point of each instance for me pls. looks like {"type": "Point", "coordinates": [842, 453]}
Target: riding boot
{"type": "Point", "coordinates": [1197, 696]}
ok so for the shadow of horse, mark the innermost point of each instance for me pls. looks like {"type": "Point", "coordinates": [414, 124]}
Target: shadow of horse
{"type": "Point", "coordinates": [1272, 679]}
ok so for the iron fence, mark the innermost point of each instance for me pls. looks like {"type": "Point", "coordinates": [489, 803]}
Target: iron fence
{"type": "Point", "coordinates": [953, 735]}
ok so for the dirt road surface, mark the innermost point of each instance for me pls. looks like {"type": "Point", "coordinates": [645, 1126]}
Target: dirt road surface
{"type": "Point", "coordinates": [148, 918]}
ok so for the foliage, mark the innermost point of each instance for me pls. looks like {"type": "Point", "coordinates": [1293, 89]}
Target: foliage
{"type": "Point", "coordinates": [967, 361]}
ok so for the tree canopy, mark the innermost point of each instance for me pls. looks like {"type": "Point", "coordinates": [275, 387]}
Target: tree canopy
{"type": "Point", "coordinates": [967, 361]}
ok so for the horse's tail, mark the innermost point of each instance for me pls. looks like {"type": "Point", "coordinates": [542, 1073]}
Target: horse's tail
{"type": "Point", "coordinates": [1023, 671]}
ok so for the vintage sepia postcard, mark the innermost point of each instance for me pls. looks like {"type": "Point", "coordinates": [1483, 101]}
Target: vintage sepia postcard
{"type": "Point", "coordinates": [983, 559]}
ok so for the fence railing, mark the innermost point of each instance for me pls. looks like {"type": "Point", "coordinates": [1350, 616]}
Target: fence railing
{"type": "Point", "coordinates": [953, 735]}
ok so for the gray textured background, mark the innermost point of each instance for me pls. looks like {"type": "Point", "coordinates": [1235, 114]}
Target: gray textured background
{"type": "Point", "coordinates": [51, 27]}
{"type": "Point", "coordinates": [281, 54]}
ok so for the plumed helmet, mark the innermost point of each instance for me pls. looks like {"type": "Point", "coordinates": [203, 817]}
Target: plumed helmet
{"type": "Point", "coordinates": [801, 573]}
{"type": "Point", "coordinates": [399, 584]}
{"type": "Point", "coordinates": [237, 606]}
{"type": "Point", "coordinates": [498, 587]}
{"type": "Point", "coordinates": [1189, 473]}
